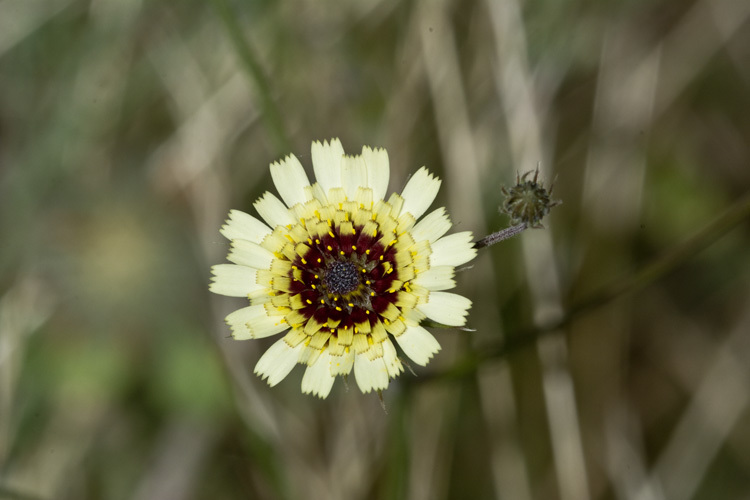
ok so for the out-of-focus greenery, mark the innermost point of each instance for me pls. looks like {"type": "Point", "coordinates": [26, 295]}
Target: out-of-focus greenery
{"type": "Point", "coordinates": [128, 129]}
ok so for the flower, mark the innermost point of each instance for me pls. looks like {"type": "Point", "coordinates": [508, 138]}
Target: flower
{"type": "Point", "coordinates": [342, 271]}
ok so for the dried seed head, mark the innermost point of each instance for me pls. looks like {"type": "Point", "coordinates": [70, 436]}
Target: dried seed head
{"type": "Point", "coordinates": [528, 201]}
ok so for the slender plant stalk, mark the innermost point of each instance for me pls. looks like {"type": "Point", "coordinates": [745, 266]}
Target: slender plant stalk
{"type": "Point", "coordinates": [501, 235]}
{"type": "Point", "coordinates": [658, 268]}
{"type": "Point", "coordinates": [252, 67]}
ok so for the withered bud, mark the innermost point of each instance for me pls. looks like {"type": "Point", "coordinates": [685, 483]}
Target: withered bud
{"type": "Point", "coordinates": [528, 201]}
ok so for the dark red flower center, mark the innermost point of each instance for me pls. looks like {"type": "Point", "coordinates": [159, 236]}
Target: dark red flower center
{"type": "Point", "coordinates": [347, 279]}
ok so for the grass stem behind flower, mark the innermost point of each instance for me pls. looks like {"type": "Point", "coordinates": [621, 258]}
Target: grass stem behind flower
{"type": "Point", "coordinates": [250, 63]}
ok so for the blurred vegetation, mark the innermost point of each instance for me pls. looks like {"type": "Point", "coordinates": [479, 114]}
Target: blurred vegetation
{"type": "Point", "coordinates": [128, 128]}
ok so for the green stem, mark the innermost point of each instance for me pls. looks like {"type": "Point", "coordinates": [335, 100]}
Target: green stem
{"type": "Point", "coordinates": [254, 71]}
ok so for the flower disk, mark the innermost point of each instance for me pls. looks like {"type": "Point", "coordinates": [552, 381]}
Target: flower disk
{"type": "Point", "coordinates": [343, 270]}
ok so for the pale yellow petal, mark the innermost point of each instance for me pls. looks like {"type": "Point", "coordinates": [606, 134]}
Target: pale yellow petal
{"type": "Point", "coordinates": [353, 175]}
{"type": "Point", "coordinates": [273, 211]}
{"type": "Point", "coordinates": [234, 281]}
{"type": "Point", "coordinates": [446, 308]}
{"type": "Point", "coordinates": [277, 362]}
{"type": "Point", "coordinates": [436, 278]}
{"type": "Point", "coordinates": [290, 180]}
{"type": "Point", "coordinates": [326, 158]}
{"type": "Point", "coordinates": [390, 358]}
{"type": "Point", "coordinates": [418, 344]}
{"type": "Point", "coordinates": [453, 250]}
{"type": "Point", "coordinates": [378, 171]}
{"type": "Point", "coordinates": [244, 226]}
{"type": "Point", "coordinates": [371, 375]}
{"type": "Point", "coordinates": [342, 365]}
{"type": "Point", "coordinates": [317, 379]}
{"type": "Point", "coordinates": [420, 192]}
{"type": "Point", "coordinates": [432, 226]}
{"type": "Point", "coordinates": [253, 322]}
{"type": "Point", "coordinates": [247, 253]}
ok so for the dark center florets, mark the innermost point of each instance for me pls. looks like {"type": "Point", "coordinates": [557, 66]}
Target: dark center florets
{"type": "Point", "coordinates": [341, 277]}
{"type": "Point", "coordinates": [344, 277]}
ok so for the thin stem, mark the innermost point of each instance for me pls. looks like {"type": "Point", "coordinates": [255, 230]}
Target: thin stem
{"type": "Point", "coordinates": [501, 235]}
{"type": "Point", "coordinates": [255, 72]}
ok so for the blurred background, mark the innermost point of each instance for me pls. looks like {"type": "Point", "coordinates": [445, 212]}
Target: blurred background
{"type": "Point", "coordinates": [129, 128]}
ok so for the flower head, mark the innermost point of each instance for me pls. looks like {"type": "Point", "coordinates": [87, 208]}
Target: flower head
{"type": "Point", "coordinates": [528, 202]}
{"type": "Point", "coordinates": [342, 271]}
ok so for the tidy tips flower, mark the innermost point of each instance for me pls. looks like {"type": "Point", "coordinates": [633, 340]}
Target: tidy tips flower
{"type": "Point", "coordinates": [346, 274]}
